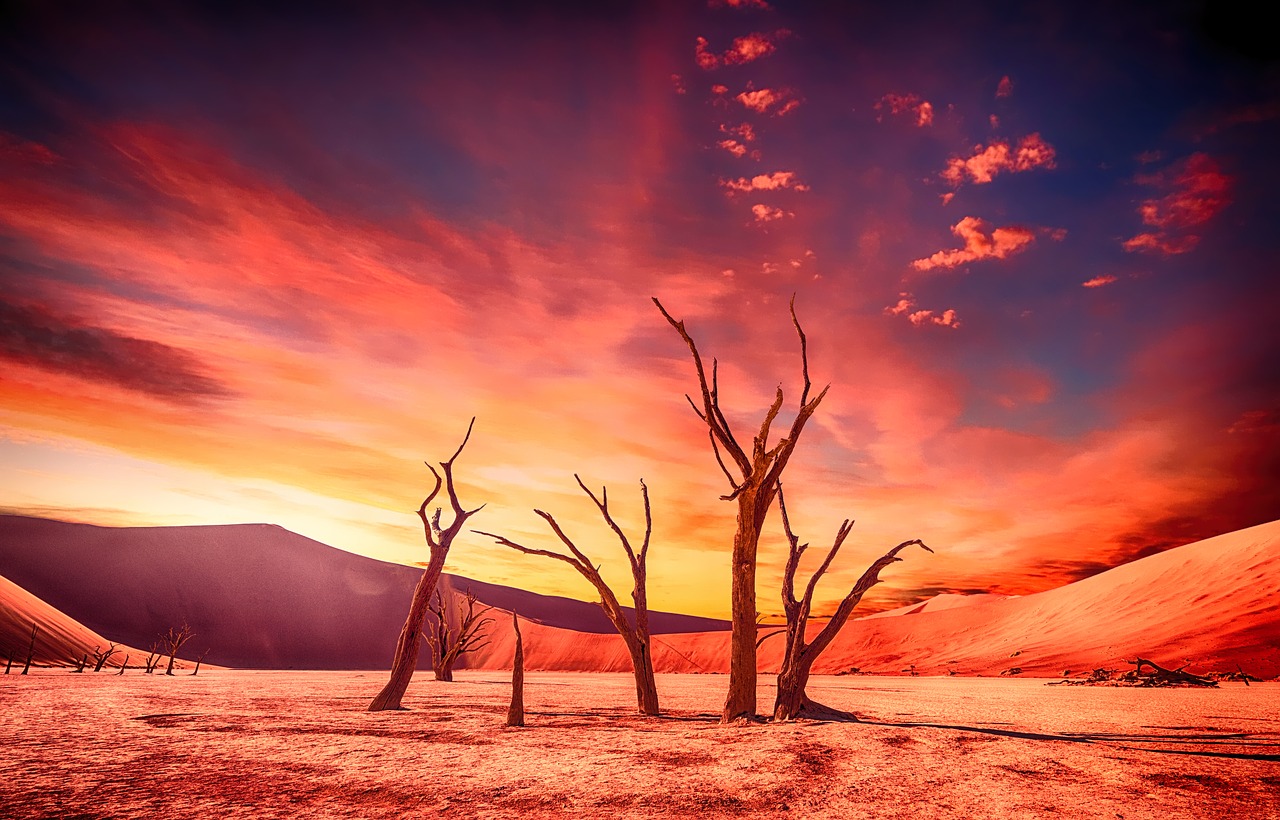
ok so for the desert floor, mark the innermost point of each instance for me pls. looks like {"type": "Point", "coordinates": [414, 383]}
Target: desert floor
{"type": "Point", "coordinates": [287, 744]}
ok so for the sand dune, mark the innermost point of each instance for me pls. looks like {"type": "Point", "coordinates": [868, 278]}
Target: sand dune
{"type": "Point", "coordinates": [263, 597]}
{"type": "Point", "coordinates": [257, 596]}
{"type": "Point", "coordinates": [1215, 603]}
{"type": "Point", "coordinates": [60, 639]}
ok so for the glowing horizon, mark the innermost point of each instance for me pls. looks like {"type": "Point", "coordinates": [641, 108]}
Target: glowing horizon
{"type": "Point", "coordinates": [259, 268]}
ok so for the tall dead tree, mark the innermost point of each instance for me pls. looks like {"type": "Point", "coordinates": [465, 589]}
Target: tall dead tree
{"type": "Point", "coordinates": [439, 540]}
{"type": "Point", "coordinates": [515, 712]}
{"type": "Point", "coordinates": [634, 634]}
{"type": "Point", "coordinates": [124, 665]}
{"type": "Point", "coordinates": [798, 658]}
{"type": "Point", "coordinates": [173, 641]}
{"type": "Point", "coordinates": [199, 661]}
{"type": "Point", "coordinates": [457, 631]}
{"type": "Point", "coordinates": [155, 653]}
{"type": "Point", "coordinates": [753, 483]}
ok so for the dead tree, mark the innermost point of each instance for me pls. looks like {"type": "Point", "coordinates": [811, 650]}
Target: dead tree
{"type": "Point", "coordinates": [634, 635]}
{"type": "Point", "coordinates": [82, 663]}
{"type": "Point", "coordinates": [173, 641]}
{"type": "Point", "coordinates": [1159, 676]}
{"type": "Point", "coordinates": [101, 658]}
{"type": "Point", "coordinates": [753, 484]}
{"type": "Point", "coordinates": [798, 658]}
{"type": "Point", "coordinates": [439, 540]}
{"type": "Point", "coordinates": [31, 649]}
{"type": "Point", "coordinates": [199, 661]}
{"type": "Point", "coordinates": [124, 665]}
{"type": "Point", "coordinates": [448, 643]}
{"type": "Point", "coordinates": [515, 712]}
{"type": "Point", "coordinates": [153, 658]}
{"type": "Point", "coordinates": [8, 663]}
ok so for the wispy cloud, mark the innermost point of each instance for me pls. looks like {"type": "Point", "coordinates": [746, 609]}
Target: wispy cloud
{"type": "Point", "coordinates": [739, 4]}
{"type": "Point", "coordinates": [34, 336]}
{"type": "Point", "coordinates": [778, 180]}
{"type": "Point", "coordinates": [1005, 88]}
{"type": "Point", "coordinates": [920, 110]}
{"type": "Point", "coordinates": [764, 214]}
{"type": "Point", "coordinates": [746, 49]}
{"type": "Point", "coordinates": [1192, 192]}
{"type": "Point", "coordinates": [1099, 281]}
{"type": "Point", "coordinates": [980, 242]}
{"type": "Point", "coordinates": [906, 306]}
{"type": "Point", "coordinates": [768, 100]}
{"type": "Point", "coordinates": [987, 161]}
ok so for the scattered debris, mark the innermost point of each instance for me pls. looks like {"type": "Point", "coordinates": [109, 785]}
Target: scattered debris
{"type": "Point", "coordinates": [1015, 670]}
{"type": "Point", "coordinates": [1157, 676]}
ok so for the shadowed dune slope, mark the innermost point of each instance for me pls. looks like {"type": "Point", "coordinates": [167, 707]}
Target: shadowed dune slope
{"type": "Point", "coordinates": [1215, 603]}
{"type": "Point", "coordinates": [60, 639]}
{"type": "Point", "coordinates": [256, 595]}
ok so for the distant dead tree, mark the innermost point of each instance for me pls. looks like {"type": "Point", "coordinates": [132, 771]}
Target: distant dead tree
{"type": "Point", "coordinates": [635, 635]}
{"type": "Point", "coordinates": [8, 662]}
{"type": "Point", "coordinates": [515, 712]}
{"type": "Point", "coordinates": [82, 663]}
{"type": "Point", "coordinates": [753, 484]}
{"type": "Point", "coordinates": [31, 649]}
{"type": "Point", "coordinates": [199, 661]}
{"type": "Point", "coordinates": [101, 658]}
{"type": "Point", "coordinates": [124, 665]}
{"type": "Point", "coordinates": [156, 652]}
{"type": "Point", "coordinates": [173, 641]}
{"type": "Point", "coordinates": [439, 540]}
{"type": "Point", "coordinates": [798, 658]}
{"type": "Point", "coordinates": [457, 632]}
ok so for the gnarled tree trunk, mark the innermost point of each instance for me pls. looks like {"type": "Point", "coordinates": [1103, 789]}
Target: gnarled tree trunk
{"type": "Point", "coordinates": [753, 483]}
{"type": "Point", "coordinates": [439, 540]}
{"type": "Point", "coordinates": [797, 661]}
{"type": "Point", "coordinates": [635, 635]}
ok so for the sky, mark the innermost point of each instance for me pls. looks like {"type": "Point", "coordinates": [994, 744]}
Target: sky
{"type": "Point", "coordinates": [260, 265]}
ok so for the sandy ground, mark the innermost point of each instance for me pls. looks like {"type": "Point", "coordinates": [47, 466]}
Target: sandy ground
{"type": "Point", "coordinates": [288, 744]}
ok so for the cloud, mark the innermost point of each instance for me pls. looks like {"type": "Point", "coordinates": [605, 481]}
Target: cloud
{"type": "Point", "coordinates": [980, 242]}
{"type": "Point", "coordinates": [1005, 88]}
{"type": "Point", "coordinates": [906, 305]}
{"type": "Point", "coordinates": [36, 337]}
{"type": "Point", "coordinates": [739, 4]}
{"type": "Point", "coordinates": [744, 50]}
{"type": "Point", "coordinates": [1099, 281]}
{"type": "Point", "coordinates": [778, 180]}
{"type": "Point", "coordinates": [763, 213]}
{"type": "Point", "coordinates": [768, 100]}
{"type": "Point", "coordinates": [990, 160]}
{"type": "Point", "coordinates": [1191, 192]}
{"type": "Point", "coordinates": [14, 148]}
{"type": "Point", "coordinates": [733, 147]}
{"type": "Point", "coordinates": [897, 104]}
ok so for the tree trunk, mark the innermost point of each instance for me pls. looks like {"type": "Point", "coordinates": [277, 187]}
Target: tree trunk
{"type": "Point", "coordinates": [444, 672]}
{"type": "Point", "coordinates": [405, 660]}
{"type": "Point", "coordinates": [515, 712]}
{"type": "Point", "coordinates": [31, 649]}
{"type": "Point", "coordinates": [9, 664]}
{"type": "Point", "coordinates": [124, 665]}
{"type": "Point", "coordinates": [741, 700]}
{"type": "Point", "coordinates": [646, 686]}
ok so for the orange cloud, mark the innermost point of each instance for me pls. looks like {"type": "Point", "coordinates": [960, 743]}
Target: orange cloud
{"type": "Point", "coordinates": [1099, 281]}
{"type": "Point", "coordinates": [906, 305]}
{"type": "Point", "coordinates": [733, 147]}
{"type": "Point", "coordinates": [763, 100]}
{"type": "Point", "coordinates": [763, 213]}
{"type": "Point", "coordinates": [979, 243]}
{"type": "Point", "coordinates": [1195, 189]}
{"type": "Point", "coordinates": [1005, 88]}
{"type": "Point", "coordinates": [739, 4]}
{"type": "Point", "coordinates": [744, 50]}
{"type": "Point", "coordinates": [897, 104]}
{"type": "Point", "coordinates": [765, 182]}
{"type": "Point", "coordinates": [988, 161]}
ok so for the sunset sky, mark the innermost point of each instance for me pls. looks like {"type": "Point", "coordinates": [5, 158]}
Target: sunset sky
{"type": "Point", "coordinates": [258, 266]}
